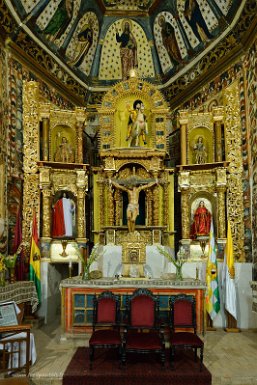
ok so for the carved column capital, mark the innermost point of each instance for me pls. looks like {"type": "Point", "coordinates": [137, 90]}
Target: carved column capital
{"type": "Point", "coordinates": [221, 177]}
{"type": "Point", "coordinates": [82, 179]}
{"type": "Point", "coordinates": [184, 180]}
{"type": "Point", "coordinates": [183, 117]}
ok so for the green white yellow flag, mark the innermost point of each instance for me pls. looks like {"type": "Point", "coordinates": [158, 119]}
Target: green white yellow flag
{"type": "Point", "coordinates": [35, 259]}
{"type": "Point", "coordinates": [229, 276]}
{"type": "Point", "coordinates": [212, 294]}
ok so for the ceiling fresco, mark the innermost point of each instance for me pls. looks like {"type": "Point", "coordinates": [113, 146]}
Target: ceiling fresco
{"type": "Point", "coordinates": [89, 37]}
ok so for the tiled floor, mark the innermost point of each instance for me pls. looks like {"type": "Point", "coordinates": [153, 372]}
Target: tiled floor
{"type": "Point", "coordinates": [230, 357]}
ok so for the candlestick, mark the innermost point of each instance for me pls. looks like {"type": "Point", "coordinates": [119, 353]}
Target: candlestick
{"type": "Point", "coordinates": [197, 272]}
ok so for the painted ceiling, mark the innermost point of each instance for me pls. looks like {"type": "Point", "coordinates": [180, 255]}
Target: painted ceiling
{"type": "Point", "coordinates": [84, 39]}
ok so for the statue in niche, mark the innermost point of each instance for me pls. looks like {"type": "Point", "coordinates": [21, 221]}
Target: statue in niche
{"type": "Point", "coordinates": [64, 152]}
{"type": "Point", "coordinates": [133, 197]}
{"type": "Point", "coordinates": [200, 152]}
{"type": "Point", "coordinates": [63, 217]}
{"type": "Point", "coordinates": [202, 221]}
{"type": "Point", "coordinates": [137, 125]}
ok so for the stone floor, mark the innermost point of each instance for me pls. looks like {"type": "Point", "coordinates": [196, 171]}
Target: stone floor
{"type": "Point", "coordinates": [230, 357]}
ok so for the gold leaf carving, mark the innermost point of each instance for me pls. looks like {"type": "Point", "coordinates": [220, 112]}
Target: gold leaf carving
{"type": "Point", "coordinates": [235, 209]}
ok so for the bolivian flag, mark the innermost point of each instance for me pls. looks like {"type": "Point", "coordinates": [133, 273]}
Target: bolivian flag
{"type": "Point", "coordinates": [35, 259]}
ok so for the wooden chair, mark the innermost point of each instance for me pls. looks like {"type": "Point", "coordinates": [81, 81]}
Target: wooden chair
{"type": "Point", "coordinates": [15, 354]}
{"type": "Point", "coordinates": [143, 333]}
{"type": "Point", "coordinates": [183, 326]}
{"type": "Point", "coordinates": [106, 324]}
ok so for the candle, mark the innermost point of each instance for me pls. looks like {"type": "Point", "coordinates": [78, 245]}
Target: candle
{"type": "Point", "coordinates": [197, 272]}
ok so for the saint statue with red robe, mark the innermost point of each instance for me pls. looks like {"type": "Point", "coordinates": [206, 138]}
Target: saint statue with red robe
{"type": "Point", "coordinates": [202, 221]}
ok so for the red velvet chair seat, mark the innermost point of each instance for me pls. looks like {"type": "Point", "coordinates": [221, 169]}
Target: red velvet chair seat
{"type": "Point", "coordinates": [142, 341]}
{"type": "Point", "coordinates": [186, 338]}
{"type": "Point", "coordinates": [105, 337]}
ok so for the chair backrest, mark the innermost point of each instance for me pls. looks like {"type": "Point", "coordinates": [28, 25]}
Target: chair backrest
{"type": "Point", "coordinates": [106, 309]}
{"type": "Point", "coordinates": [143, 309]}
{"type": "Point", "coordinates": [183, 312]}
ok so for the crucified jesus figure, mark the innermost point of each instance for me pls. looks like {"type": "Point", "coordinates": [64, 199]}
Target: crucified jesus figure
{"type": "Point", "coordinates": [133, 205]}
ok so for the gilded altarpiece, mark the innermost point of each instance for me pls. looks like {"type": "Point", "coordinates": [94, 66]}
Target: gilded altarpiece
{"type": "Point", "coordinates": [138, 164]}
{"type": "Point", "coordinates": [211, 172]}
{"type": "Point", "coordinates": [53, 168]}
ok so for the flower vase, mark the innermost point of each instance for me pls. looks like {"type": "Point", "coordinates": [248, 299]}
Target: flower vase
{"type": "Point", "coordinates": [85, 275]}
{"type": "Point", "coordinates": [179, 275]}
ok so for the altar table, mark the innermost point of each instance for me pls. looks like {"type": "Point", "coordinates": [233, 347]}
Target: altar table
{"type": "Point", "coordinates": [77, 298]}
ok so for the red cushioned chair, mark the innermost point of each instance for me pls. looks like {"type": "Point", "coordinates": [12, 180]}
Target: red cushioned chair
{"type": "Point", "coordinates": [143, 334]}
{"type": "Point", "coordinates": [106, 329]}
{"type": "Point", "coordinates": [183, 326]}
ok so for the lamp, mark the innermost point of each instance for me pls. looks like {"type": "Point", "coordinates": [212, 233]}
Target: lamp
{"type": "Point", "coordinates": [64, 246]}
{"type": "Point", "coordinates": [133, 73]}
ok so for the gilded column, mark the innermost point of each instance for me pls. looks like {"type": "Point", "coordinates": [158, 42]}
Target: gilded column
{"type": "Point", "coordinates": [82, 187]}
{"type": "Point", "coordinates": [110, 199]}
{"type": "Point", "coordinates": [80, 119]}
{"type": "Point", "coordinates": [45, 134]}
{"type": "Point", "coordinates": [218, 113]}
{"type": "Point", "coordinates": [102, 205]}
{"type": "Point", "coordinates": [221, 212]}
{"type": "Point", "coordinates": [166, 204]}
{"type": "Point", "coordinates": [156, 206]}
{"type": "Point", "coordinates": [149, 198]}
{"type": "Point", "coordinates": [81, 222]}
{"type": "Point", "coordinates": [110, 219]}
{"type": "Point", "coordinates": [183, 120]}
{"type": "Point", "coordinates": [47, 212]}
{"type": "Point", "coordinates": [221, 186]}
{"type": "Point", "coordinates": [234, 196]}
{"type": "Point", "coordinates": [184, 187]}
{"type": "Point", "coordinates": [185, 214]}
{"type": "Point", "coordinates": [31, 193]}
{"type": "Point", "coordinates": [117, 200]}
